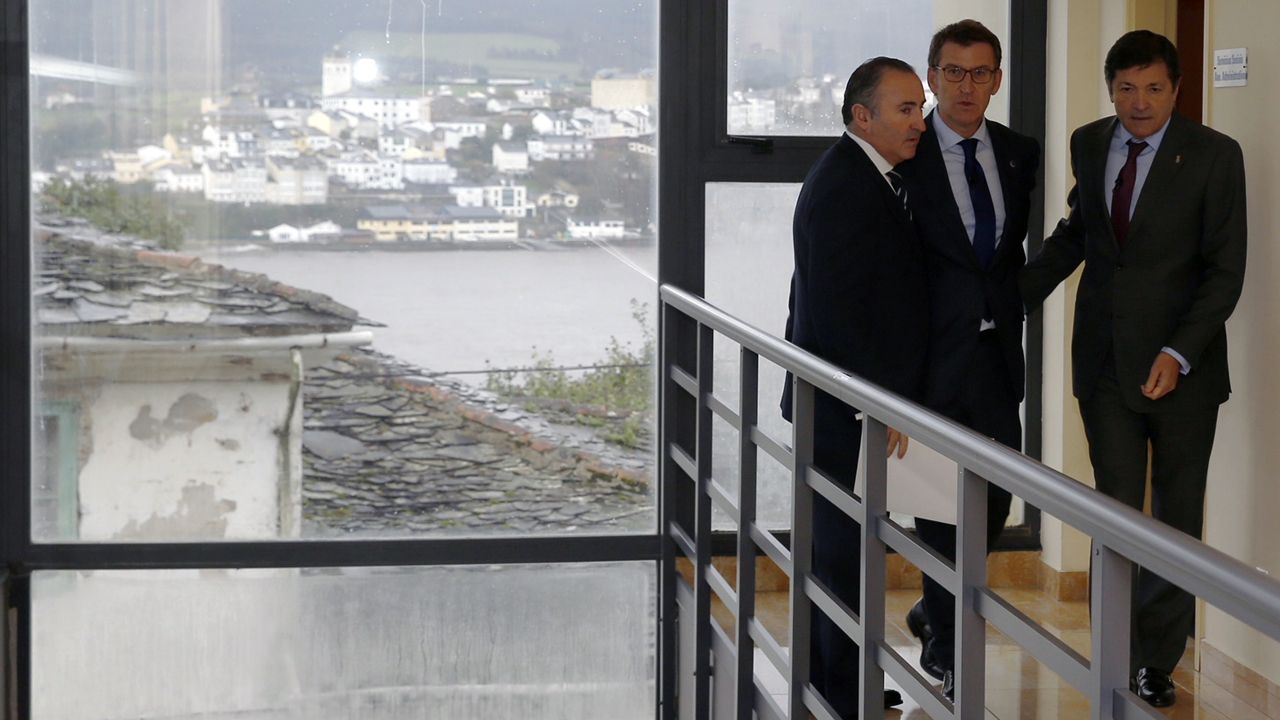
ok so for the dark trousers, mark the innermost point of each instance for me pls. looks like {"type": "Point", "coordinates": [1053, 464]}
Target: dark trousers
{"type": "Point", "coordinates": [837, 563]}
{"type": "Point", "coordinates": [1163, 613]}
{"type": "Point", "coordinates": [987, 405]}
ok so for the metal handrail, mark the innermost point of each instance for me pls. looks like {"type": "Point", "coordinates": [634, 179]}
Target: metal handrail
{"type": "Point", "coordinates": [1227, 583]}
{"type": "Point", "coordinates": [1122, 536]}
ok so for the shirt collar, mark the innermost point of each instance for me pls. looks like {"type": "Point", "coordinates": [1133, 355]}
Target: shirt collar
{"type": "Point", "coordinates": [948, 138]}
{"type": "Point", "coordinates": [884, 166]}
{"type": "Point", "coordinates": [1123, 135]}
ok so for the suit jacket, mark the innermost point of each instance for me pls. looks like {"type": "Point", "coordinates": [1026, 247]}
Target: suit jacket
{"type": "Point", "coordinates": [1173, 283]}
{"type": "Point", "coordinates": [858, 296]}
{"type": "Point", "coordinates": [961, 292]}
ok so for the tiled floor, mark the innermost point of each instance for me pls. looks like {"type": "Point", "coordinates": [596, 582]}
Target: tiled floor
{"type": "Point", "coordinates": [1018, 687]}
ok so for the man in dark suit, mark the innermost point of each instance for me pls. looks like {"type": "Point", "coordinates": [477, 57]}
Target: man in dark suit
{"type": "Point", "coordinates": [858, 300]}
{"type": "Point", "coordinates": [1157, 216]}
{"type": "Point", "coordinates": [970, 186]}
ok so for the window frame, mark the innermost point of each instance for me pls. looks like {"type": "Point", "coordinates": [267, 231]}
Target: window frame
{"type": "Point", "coordinates": [693, 149]}
{"type": "Point", "coordinates": [696, 149]}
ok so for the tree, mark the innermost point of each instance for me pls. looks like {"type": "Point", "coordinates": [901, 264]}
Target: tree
{"type": "Point", "coordinates": [102, 204]}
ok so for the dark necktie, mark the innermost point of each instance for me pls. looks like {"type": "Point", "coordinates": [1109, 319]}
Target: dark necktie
{"type": "Point", "coordinates": [1122, 195]}
{"type": "Point", "coordinates": [895, 182]}
{"type": "Point", "coordinates": [984, 210]}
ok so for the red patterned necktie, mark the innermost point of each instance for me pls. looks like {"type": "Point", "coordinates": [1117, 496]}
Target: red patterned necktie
{"type": "Point", "coordinates": [1122, 195]}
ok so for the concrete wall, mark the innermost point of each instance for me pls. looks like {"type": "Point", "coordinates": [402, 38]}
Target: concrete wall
{"type": "Point", "coordinates": [183, 447]}
{"type": "Point", "coordinates": [1243, 495]}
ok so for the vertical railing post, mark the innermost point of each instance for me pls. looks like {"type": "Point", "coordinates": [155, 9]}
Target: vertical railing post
{"type": "Point", "coordinates": [702, 527]}
{"type": "Point", "coordinates": [802, 397]}
{"type": "Point", "coordinates": [748, 411]}
{"type": "Point", "coordinates": [1110, 597]}
{"type": "Point", "coordinates": [871, 614]}
{"type": "Point", "coordinates": [668, 645]}
{"type": "Point", "coordinates": [971, 569]}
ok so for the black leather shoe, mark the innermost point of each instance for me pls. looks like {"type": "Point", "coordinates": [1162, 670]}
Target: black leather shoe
{"type": "Point", "coordinates": [892, 698]}
{"type": "Point", "coordinates": [949, 685]}
{"type": "Point", "coordinates": [1155, 687]}
{"type": "Point", "coordinates": [918, 624]}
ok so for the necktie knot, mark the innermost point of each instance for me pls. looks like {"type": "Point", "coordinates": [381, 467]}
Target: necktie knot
{"type": "Point", "coordinates": [1136, 147]}
{"type": "Point", "coordinates": [970, 147]}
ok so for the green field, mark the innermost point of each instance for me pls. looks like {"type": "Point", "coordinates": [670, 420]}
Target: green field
{"type": "Point", "coordinates": [496, 54]}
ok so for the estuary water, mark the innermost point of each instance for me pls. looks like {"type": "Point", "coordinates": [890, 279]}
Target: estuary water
{"type": "Point", "coordinates": [452, 311]}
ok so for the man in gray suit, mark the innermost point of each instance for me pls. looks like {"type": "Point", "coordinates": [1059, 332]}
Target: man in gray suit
{"type": "Point", "coordinates": [1158, 218]}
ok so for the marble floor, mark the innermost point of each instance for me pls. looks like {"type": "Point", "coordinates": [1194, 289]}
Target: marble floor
{"type": "Point", "coordinates": [1018, 686]}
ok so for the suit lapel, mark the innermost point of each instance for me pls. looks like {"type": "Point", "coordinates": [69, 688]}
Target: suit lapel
{"type": "Point", "coordinates": [1094, 170]}
{"type": "Point", "coordinates": [936, 183]}
{"type": "Point", "coordinates": [1169, 159]}
{"type": "Point", "coordinates": [1007, 168]}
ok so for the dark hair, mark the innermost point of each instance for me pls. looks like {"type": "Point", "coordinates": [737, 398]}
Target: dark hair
{"type": "Point", "coordinates": [963, 33]}
{"type": "Point", "coordinates": [863, 83]}
{"type": "Point", "coordinates": [1141, 48]}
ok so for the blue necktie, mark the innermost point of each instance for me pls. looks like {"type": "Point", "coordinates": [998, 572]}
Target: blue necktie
{"type": "Point", "coordinates": [984, 210]}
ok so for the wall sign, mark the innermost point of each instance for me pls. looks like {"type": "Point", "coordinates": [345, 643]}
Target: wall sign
{"type": "Point", "coordinates": [1231, 67]}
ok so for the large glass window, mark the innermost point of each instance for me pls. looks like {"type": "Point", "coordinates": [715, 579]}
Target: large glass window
{"type": "Point", "coordinates": [789, 61]}
{"type": "Point", "coordinates": [342, 268]}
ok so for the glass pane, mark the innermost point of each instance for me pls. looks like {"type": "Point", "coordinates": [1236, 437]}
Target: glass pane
{"type": "Point", "coordinates": [789, 61]}
{"type": "Point", "coordinates": [342, 268]}
{"type": "Point", "coordinates": [749, 265]}
{"type": "Point", "coordinates": [464, 643]}
{"type": "Point", "coordinates": [749, 262]}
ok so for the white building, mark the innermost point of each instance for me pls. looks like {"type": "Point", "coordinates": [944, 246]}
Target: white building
{"type": "Point", "coordinates": [533, 95]}
{"type": "Point", "coordinates": [455, 131]}
{"type": "Point", "coordinates": [428, 172]}
{"type": "Point", "coordinates": [288, 110]}
{"type": "Point", "coordinates": [507, 198]}
{"type": "Point", "coordinates": [752, 113]}
{"type": "Point", "coordinates": [562, 148]}
{"type": "Point", "coordinates": [363, 169]}
{"type": "Point", "coordinates": [283, 142]}
{"type": "Point", "coordinates": [337, 75]}
{"type": "Point", "coordinates": [399, 223]}
{"type": "Point", "coordinates": [552, 122]}
{"type": "Point", "coordinates": [404, 140]}
{"type": "Point", "coordinates": [222, 144]}
{"type": "Point", "coordinates": [618, 91]}
{"type": "Point", "coordinates": [387, 109]}
{"type": "Point", "coordinates": [285, 233]}
{"type": "Point", "coordinates": [594, 229]}
{"type": "Point", "coordinates": [296, 181]}
{"type": "Point", "coordinates": [511, 158]}
{"type": "Point", "coordinates": [179, 179]}
{"type": "Point", "coordinates": [481, 224]}
{"type": "Point", "coordinates": [314, 141]}
{"type": "Point", "coordinates": [242, 181]}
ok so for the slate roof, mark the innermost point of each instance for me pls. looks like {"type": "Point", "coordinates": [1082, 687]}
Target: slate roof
{"type": "Point", "coordinates": [103, 285]}
{"type": "Point", "coordinates": [389, 451]}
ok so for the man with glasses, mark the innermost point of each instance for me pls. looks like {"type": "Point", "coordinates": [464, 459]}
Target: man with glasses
{"type": "Point", "coordinates": [970, 186]}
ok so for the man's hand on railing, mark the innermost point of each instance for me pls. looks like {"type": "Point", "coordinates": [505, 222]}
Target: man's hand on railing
{"type": "Point", "coordinates": [899, 441]}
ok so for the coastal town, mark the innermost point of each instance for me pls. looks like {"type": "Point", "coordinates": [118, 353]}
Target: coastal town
{"type": "Point", "coordinates": [372, 161]}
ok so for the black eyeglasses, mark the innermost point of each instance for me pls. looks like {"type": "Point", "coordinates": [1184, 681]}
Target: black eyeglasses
{"type": "Point", "coordinates": [955, 73]}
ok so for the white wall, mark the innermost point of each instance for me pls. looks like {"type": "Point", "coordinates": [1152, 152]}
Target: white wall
{"type": "Point", "coordinates": [1080, 32]}
{"type": "Point", "coordinates": [1243, 495]}
{"type": "Point", "coordinates": [183, 460]}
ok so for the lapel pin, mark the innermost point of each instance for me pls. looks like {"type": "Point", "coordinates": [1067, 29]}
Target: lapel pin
{"type": "Point", "coordinates": [1177, 159]}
